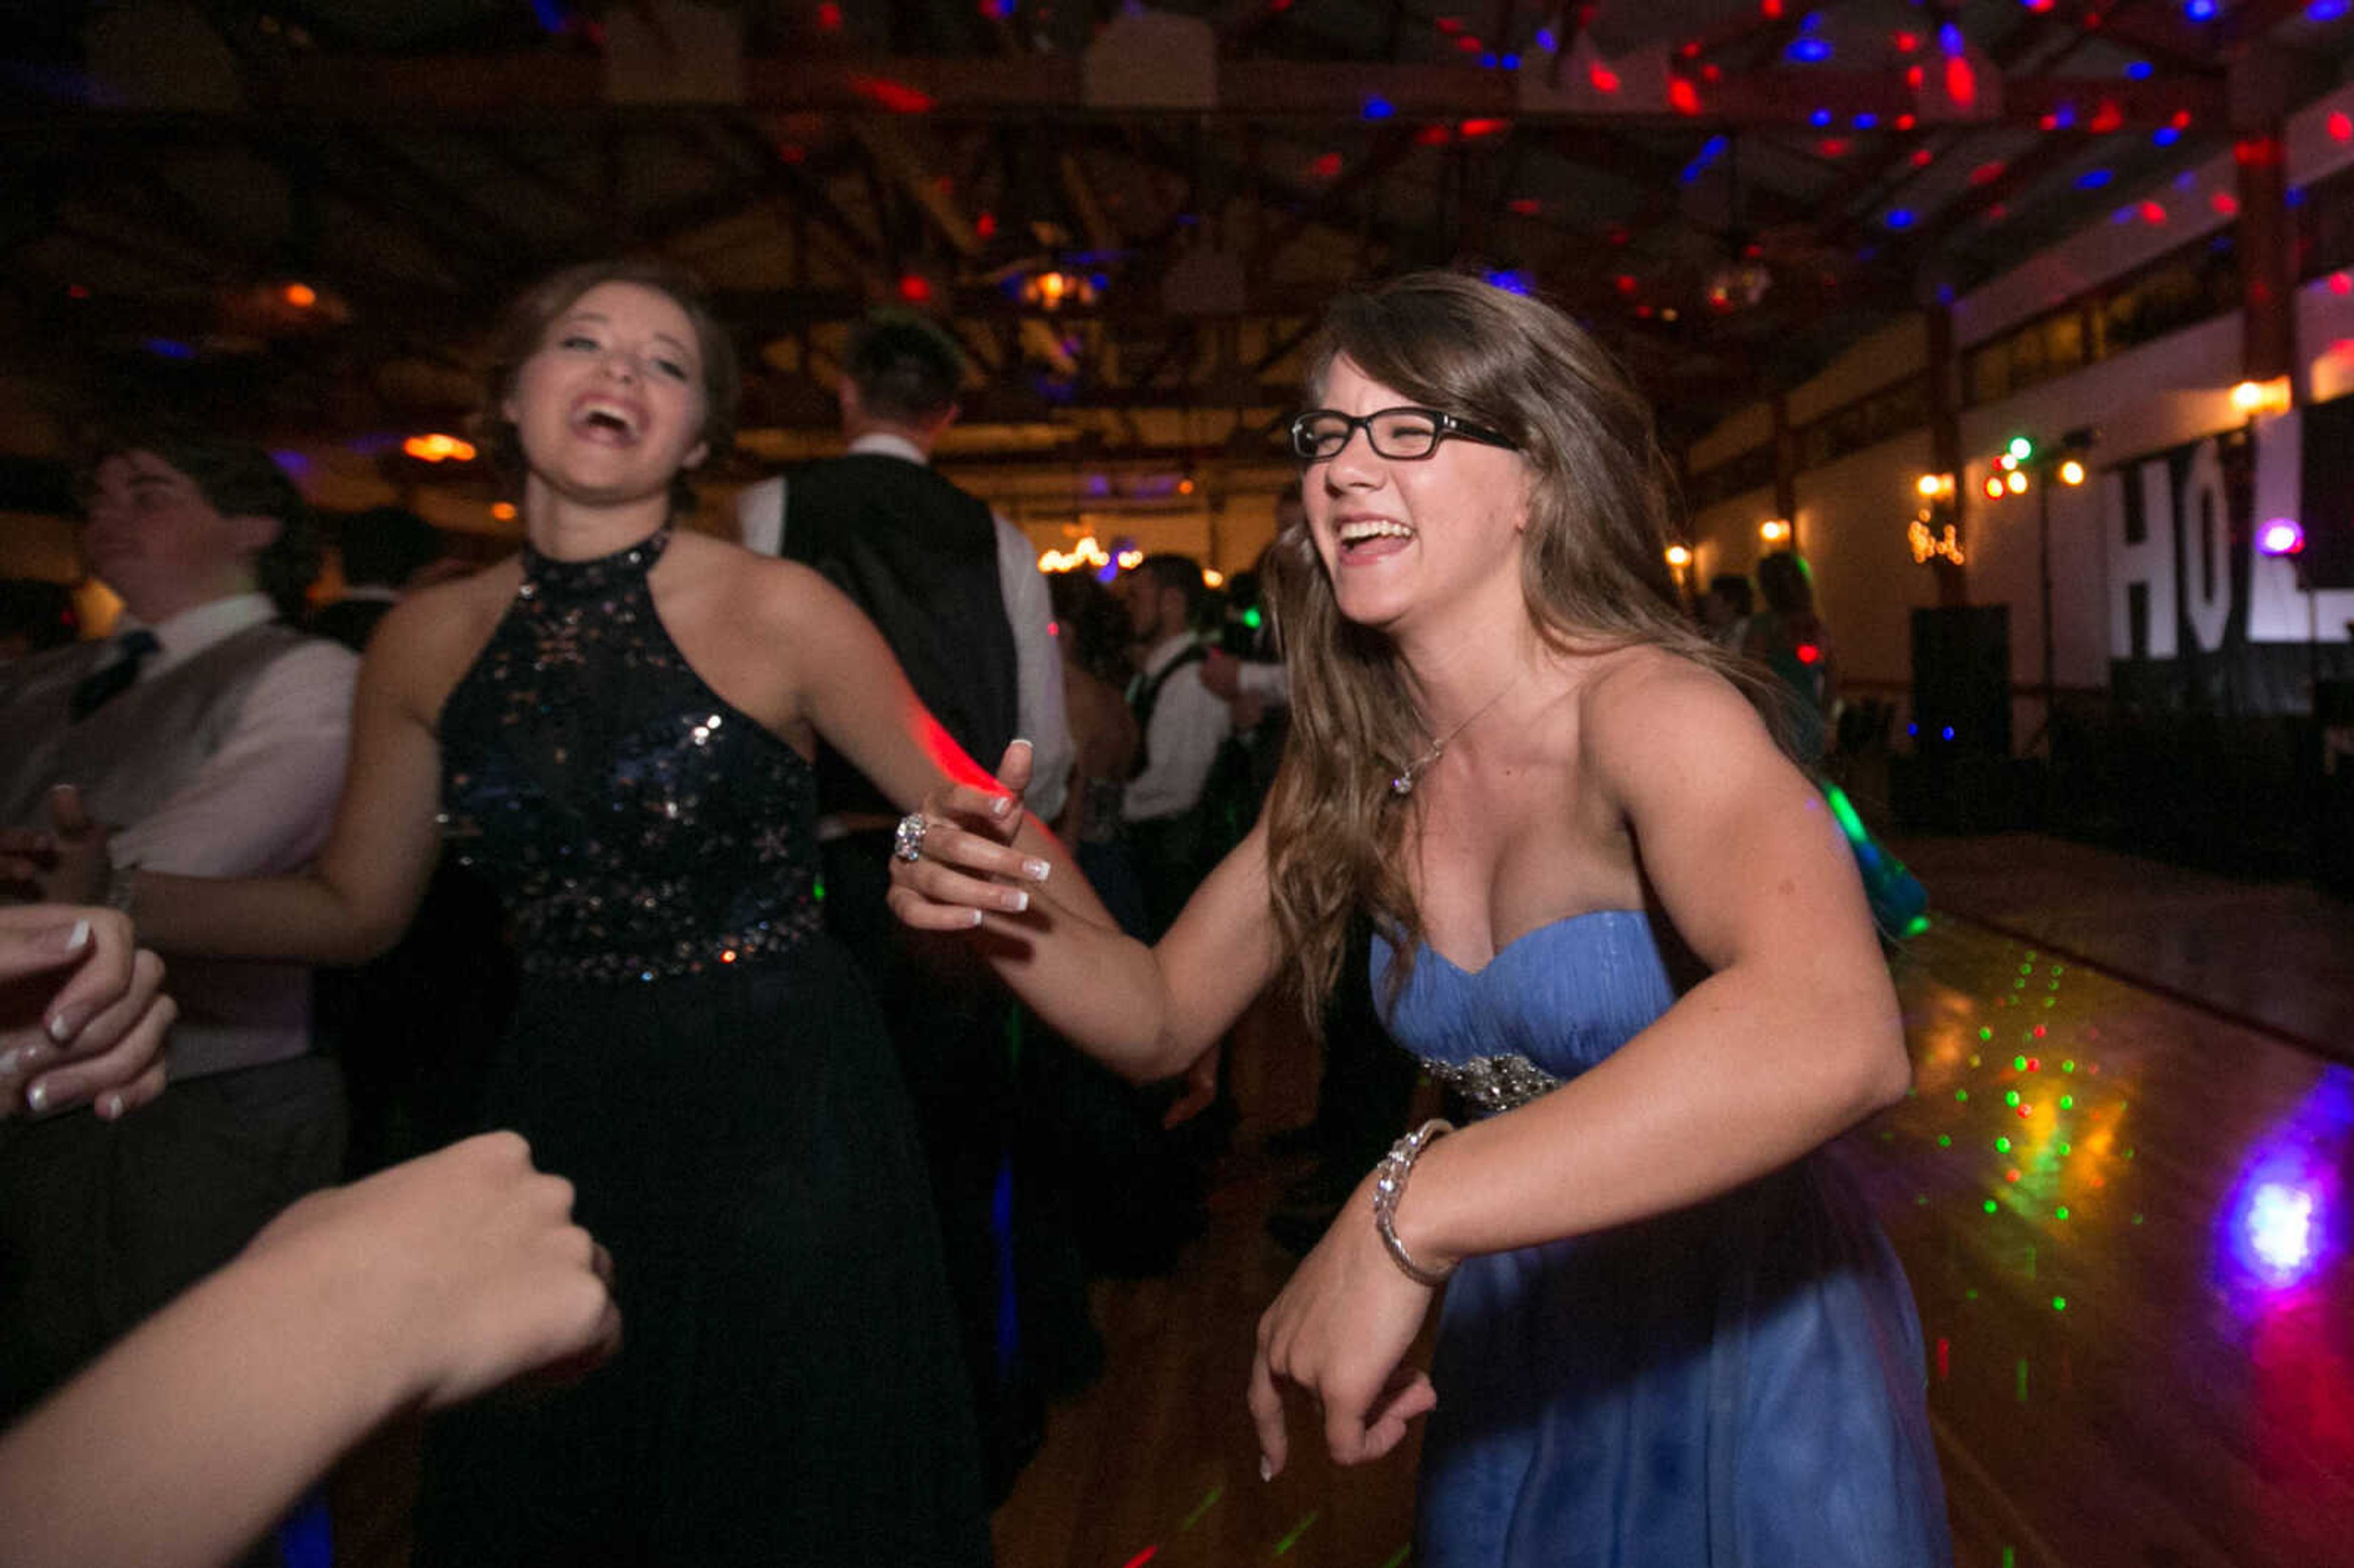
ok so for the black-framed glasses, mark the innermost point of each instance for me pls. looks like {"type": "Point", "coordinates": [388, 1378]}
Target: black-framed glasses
{"type": "Point", "coordinates": [1405, 434]}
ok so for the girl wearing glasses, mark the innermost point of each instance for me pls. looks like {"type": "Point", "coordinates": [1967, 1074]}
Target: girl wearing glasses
{"type": "Point", "coordinates": [1673, 1334]}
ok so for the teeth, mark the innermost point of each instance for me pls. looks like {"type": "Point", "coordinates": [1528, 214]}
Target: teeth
{"type": "Point", "coordinates": [604, 413]}
{"type": "Point", "coordinates": [1373, 528]}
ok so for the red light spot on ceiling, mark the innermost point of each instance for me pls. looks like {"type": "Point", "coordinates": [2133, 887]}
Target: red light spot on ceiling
{"type": "Point", "coordinates": [1923, 157]}
{"type": "Point", "coordinates": [915, 288]}
{"type": "Point", "coordinates": [2152, 212]}
{"type": "Point", "coordinates": [1832, 146]}
{"type": "Point", "coordinates": [1907, 42]}
{"type": "Point", "coordinates": [829, 17]}
{"type": "Point", "coordinates": [2224, 203]}
{"type": "Point", "coordinates": [1526, 207]}
{"type": "Point", "coordinates": [1682, 97]}
{"type": "Point", "coordinates": [2341, 128]}
{"type": "Point", "coordinates": [1476, 128]}
{"type": "Point", "coordinates": [1604, 78]}
{"type": "Point", "coordinates": [1325, 166]}
{"type": "Point", "coordinates": [1626, 282]}
{"type": "Point", "coordinates": [897, 97]}
{"type": "Point", "coordinates": [1433, 136]}
{"type": "Point", "coordinates": [1961, 82]}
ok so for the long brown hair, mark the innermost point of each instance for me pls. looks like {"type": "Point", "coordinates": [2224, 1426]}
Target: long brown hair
{"type": "Point", "coordinates": [1594, 575]}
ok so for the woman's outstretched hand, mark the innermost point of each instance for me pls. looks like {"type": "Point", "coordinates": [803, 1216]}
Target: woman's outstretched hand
{"type": "Point", "coordinates": [1339, 1333]}
{"type": "Point", "coordinates": [966, 868]}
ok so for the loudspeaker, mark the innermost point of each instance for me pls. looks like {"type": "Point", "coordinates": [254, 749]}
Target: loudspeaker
{"type": "Point", "coordinates": [1961, 681]}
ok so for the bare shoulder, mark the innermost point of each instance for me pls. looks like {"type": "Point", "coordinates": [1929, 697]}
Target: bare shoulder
{"type": "Point", "coordinates": [1646, 687]}
{"type": "Point", "coordinates": [426, 642]}
{"type": "Point", "coordinates": [1647, 709]}
{"type": "Point", "coordinates": [754, 590]}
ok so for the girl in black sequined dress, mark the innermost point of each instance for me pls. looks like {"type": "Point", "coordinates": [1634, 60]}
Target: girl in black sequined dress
{"type": "Point", "coordinates": [614, 728]}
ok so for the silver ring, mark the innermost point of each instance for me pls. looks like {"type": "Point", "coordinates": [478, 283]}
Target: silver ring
{"type": "Point", "coordinates": [907, 838]}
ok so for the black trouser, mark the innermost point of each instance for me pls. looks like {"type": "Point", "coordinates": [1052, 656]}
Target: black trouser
{"type": "Point", "coordinates": [102, 1223]}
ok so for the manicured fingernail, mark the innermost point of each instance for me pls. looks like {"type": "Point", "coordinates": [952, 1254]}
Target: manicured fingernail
{"type": "Point", "coordinates": [21, 1059]}
{"type": "Point", "coordinates": [110, 1106]}
{"type": "Point", "coordinates": [62, 1026]}
{"type": "Point", "coordinates": [1001, 805]}
{"type": "Point", "coordinates": [1017, 900]}
{"type": "Point", "coordinates": [79, 937]}
{"type": "Point", "coordinates": [976, 918]}
{"type": "Point", "coordinates": [37, 1098]}
{"type": "Point", "coordinates": [1019, 740]}
{"type": "Point", "coordinates": [1036, 870]}
{"type": "Point", "coordinates": [1265, 1468]}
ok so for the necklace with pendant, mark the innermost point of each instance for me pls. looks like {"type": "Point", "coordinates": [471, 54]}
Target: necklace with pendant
{"type": "Point", "coordinates": [1403, 784]}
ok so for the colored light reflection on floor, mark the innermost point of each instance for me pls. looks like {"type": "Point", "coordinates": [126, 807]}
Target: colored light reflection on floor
{"type": "Point", "coordinates": [1292, 1538]}
{"type": "Point", "coordinates": [2276, 1229]}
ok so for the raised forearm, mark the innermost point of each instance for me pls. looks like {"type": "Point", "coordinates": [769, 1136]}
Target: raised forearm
{"type": "Point", "coordinates": [305, 919]}
{"type": "Point", "coordinates": [1736, 1080]}
{"type": "Point", "coordinates": [191, 1436]}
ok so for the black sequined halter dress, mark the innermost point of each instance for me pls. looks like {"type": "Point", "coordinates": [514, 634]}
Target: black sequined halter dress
{"type": "Point", "coordinates": [707, 1069]}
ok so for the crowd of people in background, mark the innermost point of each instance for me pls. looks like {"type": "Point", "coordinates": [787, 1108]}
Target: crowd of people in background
{"type": "Point", "coordinates": [738, 880]}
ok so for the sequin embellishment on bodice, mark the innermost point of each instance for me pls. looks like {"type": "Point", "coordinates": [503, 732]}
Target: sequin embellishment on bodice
{"type": "Point", "coordinates": [636, 825]}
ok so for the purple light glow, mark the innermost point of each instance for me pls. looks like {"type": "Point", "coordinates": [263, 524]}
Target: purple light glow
{"type": "Point", "coordinates": [2277, 1224]}
{"type": "Point", "coordinates": [2281, 537]}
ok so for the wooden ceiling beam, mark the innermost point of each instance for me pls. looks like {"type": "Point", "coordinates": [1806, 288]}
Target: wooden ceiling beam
{"type": "Point", "coordinates": [507, 90]}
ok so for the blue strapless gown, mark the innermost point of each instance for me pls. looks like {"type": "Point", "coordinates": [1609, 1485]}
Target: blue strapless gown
{"type": "Point", "coordinates": [1740, 1382]}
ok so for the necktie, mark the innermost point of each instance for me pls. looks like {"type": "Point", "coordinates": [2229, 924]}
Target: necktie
{"type": "Point", "coordinates": [110, 681]}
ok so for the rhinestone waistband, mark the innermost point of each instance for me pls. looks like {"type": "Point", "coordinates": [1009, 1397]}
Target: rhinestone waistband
{"type": "Point", "coordinates": [1494, 1083]}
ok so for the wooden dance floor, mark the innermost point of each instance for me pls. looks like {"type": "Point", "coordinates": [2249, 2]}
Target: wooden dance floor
{"type": "Point", "coordinates": [2120, 1190]}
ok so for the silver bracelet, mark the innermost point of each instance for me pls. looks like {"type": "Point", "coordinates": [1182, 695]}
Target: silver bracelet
{"type": "Point", "coordinates": [1389, 1186]}
{"type": "Point", "coordinates": [118, 885]}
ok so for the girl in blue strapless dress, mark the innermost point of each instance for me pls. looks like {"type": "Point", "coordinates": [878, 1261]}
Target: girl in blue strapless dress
{"type": "Point", "coordinates": [1613, 915]}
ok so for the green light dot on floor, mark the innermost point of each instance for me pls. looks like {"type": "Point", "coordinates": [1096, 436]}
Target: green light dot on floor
{"type": "Point", "coordinates": [2051, 1001]}
{"type": "Point", "coordinates": [1961, 1093]}
{"type": "Point", "coordinates": [2136, 1219]}
{"type": "Point", "coordinates": [1945, 1141]}
{"type": "Point", "coordinates": [2067, 1149]}
{"type": "Point", "coordinates": [2069, 1066]}
{"type": "Point", "coordinates": [2059, 1304]}
{"type": "Point", "coordinates": [2064, 1212]}
{"type": "Point", "coordinates": [2003, 1144]}
{"type": "Point", "coordinates": [2019, 1064]}
{"type": "Point", "coordinates": [1990, 1205]}
{"type": "Point", "coordinates": [2011, 1096]}
{"type": "Point", "coordinates": [2067, 1102]}
{"type": "Point", "coordinates": [1971, 1294]}
{"type": "Point", "coordinates": [1985, 1033]}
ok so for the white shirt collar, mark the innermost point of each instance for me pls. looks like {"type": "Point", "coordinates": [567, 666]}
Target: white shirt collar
{"type": "Point", "coordinates": [1165, 653]}
{"type": "Point", "coordinates": [190, 632]}
{"type": "Point", "coordinates": [883, 443]}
